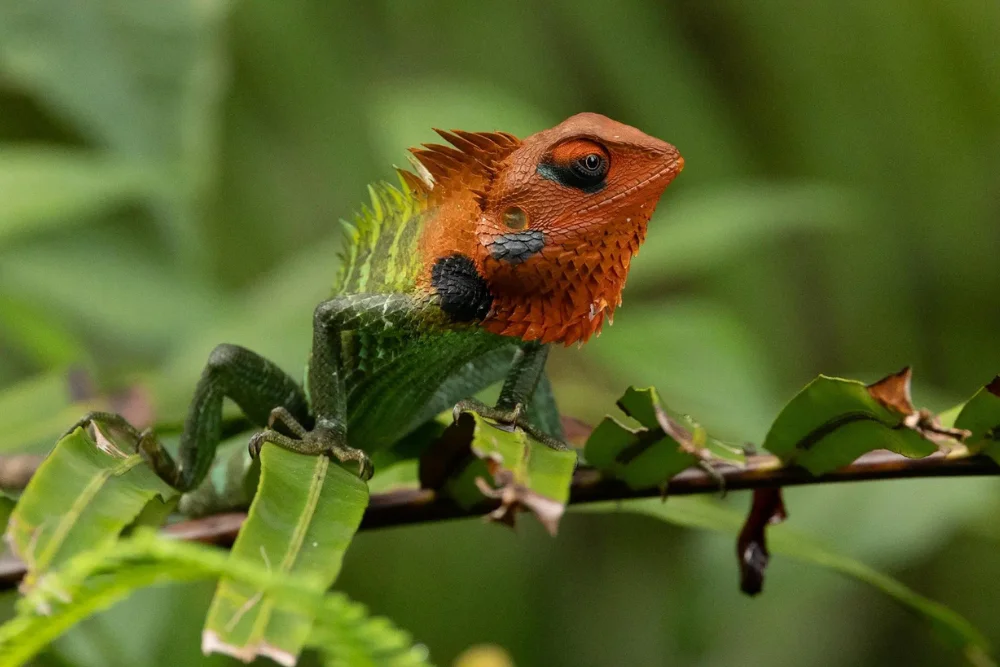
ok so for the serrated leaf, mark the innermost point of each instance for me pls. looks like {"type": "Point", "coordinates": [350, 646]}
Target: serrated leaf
{"type": "Point", "coordinates": [981, 417]}
{"type": "Point", "coordinates": [833, 421]}
{"type": "Point", "coordinates": [90, 488]}
{"type": "Point", "coordinates": [661, 447]}
{"type": "Point", "coordinates": [301, 521]}
{"type": "Point", "coordinates": [505, 465]}
{"type": "Point", "coordinates": [712, 515]}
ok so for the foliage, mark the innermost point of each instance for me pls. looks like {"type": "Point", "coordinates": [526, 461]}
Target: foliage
{"type": "Point", "coordinates": [827, 425]}
{"type": "Point", "coordinates": [83, 497]}
{"type": "Point", "coordinates": [836, 214]}
{"type": "Point", "coordinates": [302, 520]}
{"type": "Point", "coordinates": [709, 515]}
{"type": "Point", "coordinates": [476, 461]}
{"type": "Point", "coordinates": [96, 579]}
{"type": "Point", "coordinates": [307, 509]}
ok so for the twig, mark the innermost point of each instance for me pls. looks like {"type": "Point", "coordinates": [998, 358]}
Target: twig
{"type": "Point", "coordinates": [403, 507]}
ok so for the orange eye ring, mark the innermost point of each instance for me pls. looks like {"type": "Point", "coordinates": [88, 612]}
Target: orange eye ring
{"type": "Point", "coordinates": [576, 151]}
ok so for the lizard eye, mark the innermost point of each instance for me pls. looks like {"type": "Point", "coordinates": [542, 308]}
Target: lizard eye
{"type": "Point", "coordinates": [591, 168]}
{"type": "Point", "coordinates": [578, 163]}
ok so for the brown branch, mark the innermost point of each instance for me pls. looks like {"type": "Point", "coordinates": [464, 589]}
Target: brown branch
{"type": "Point", "coordinates": [398, 508]}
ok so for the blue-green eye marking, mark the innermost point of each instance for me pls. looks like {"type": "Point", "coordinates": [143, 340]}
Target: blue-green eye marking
{"type": "Point", "coordinates": [586, 173]}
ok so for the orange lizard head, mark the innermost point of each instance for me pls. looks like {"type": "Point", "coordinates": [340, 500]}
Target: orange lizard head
{"type": "Point", "coordinates": [555, 220]}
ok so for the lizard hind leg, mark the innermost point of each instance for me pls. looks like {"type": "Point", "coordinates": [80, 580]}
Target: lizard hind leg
{"type": "Point", "coordinates": [327, 438]}
{"type": "Point", "coordinates": [255, 384]}
{"type": "Point", "coordinates": [526, 400]}
{"type": "Point", "coordinates": [515, 416]}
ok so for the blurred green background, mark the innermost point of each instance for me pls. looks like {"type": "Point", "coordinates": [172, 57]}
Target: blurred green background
{"type": "Point", "coordinates": [171, 175]}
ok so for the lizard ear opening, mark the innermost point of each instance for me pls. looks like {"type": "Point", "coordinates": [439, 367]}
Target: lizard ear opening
{"type": "Point", "coordinates": [515, 218]}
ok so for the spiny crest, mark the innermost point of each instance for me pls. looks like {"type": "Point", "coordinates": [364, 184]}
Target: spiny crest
{"type": "Point", "coordinates": [379, 252]}
{"type": "Point", "coordinates": [475, 155]}
{"type": "Point", "coordinates": [380, 249]}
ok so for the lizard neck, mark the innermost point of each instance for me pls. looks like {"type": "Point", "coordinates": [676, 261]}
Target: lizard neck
{"type": "Point", "coordinates": [564, 293]}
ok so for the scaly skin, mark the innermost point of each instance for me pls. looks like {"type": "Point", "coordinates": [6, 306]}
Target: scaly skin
{"type": "Point", "coordinates": [490, 251]}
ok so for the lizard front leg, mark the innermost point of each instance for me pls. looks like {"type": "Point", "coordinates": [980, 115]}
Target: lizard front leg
{"type": "Point", "coordinates": [526, 399]}
{"type": "Point", "coordinates": [255, 384]}
{"type": "Point", "coordinates": [327, 391]}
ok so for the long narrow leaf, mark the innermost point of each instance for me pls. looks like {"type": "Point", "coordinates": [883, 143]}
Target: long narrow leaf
{"type": "Point", "coordinates": [302, 520]}
{"type": "Point", "coordinates": [82, 496]}
{"type": "Point", "coordinates": [99, 578]}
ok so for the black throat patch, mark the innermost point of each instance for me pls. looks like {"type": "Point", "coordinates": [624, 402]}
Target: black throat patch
{"type": "Point", "coordinates": [515, 247]}
{"type": "Point", "coordinates": [464, 294]}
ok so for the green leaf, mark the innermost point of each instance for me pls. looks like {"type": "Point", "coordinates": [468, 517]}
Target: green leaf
{"type": "Point", "coordinates": [6, 509]}
{"type": "Point", "coordinates": [143, 80]}
{"type": "Point", "coordinates": [712, 515]}
{"type": "Point", "coordinates": [97, 579]}
{"type": "Point", "coordinates": [981, 416]}
{"type": "Point", "coordinates": [104, 281]}
{"type": "Point", "coordinates": [301, 521]}
{"type": "Point", "coordinates": [82, 497]}
{"type": "Point", "coordinates": [661, 447]}
{"type": "Point", "coordinates": [710, 226]}
{"type": "Point", "coordinates": [47, 187]}
{"type": "Point", "coordinates": [36, 412]}
{"type": "Point", "coordinates": [39, 336]}
{"type": "Point", "coordinates": [832, 421]}
{"type": "Point", "coordinates": [524, 472]}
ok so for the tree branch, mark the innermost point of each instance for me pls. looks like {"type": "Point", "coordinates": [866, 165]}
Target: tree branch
{"type": "Point", "coordinates": [404, 507]}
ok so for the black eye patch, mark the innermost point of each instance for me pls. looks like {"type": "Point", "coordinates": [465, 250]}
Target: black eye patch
{"type": "Point", "coordinates": [586, 173]}
{"type": "Point", "coordinates": [515, 247]}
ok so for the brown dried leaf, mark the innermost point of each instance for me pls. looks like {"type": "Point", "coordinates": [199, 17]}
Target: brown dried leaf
{"type": "Point", "coordinates": [575, 431]}
{"type": "Point", "coordinates": [751, 547]}
{"type": "Point", "coordinates": [513, 497]}
{"type": "Point", "coordinates": [893, 391]}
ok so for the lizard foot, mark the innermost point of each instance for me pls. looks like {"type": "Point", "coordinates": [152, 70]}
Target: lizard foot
{"type": "Point", "coordinates": [146, 443]}
{"type": "Point", "coordinates": [714, 473]}
{"type": "Point", "coordinates": [514, 417]}
{"type": "Point", "coordinates": [326, 438]}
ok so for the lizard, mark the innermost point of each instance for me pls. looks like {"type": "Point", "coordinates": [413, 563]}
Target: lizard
{"type": "Point", "coordinates": [487, 253]}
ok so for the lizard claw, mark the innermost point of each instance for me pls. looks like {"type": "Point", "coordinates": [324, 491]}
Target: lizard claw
{"type": "Point", "coordinates": [508, 420]}
{"type": "Point", "coordinates": [325, 439]}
